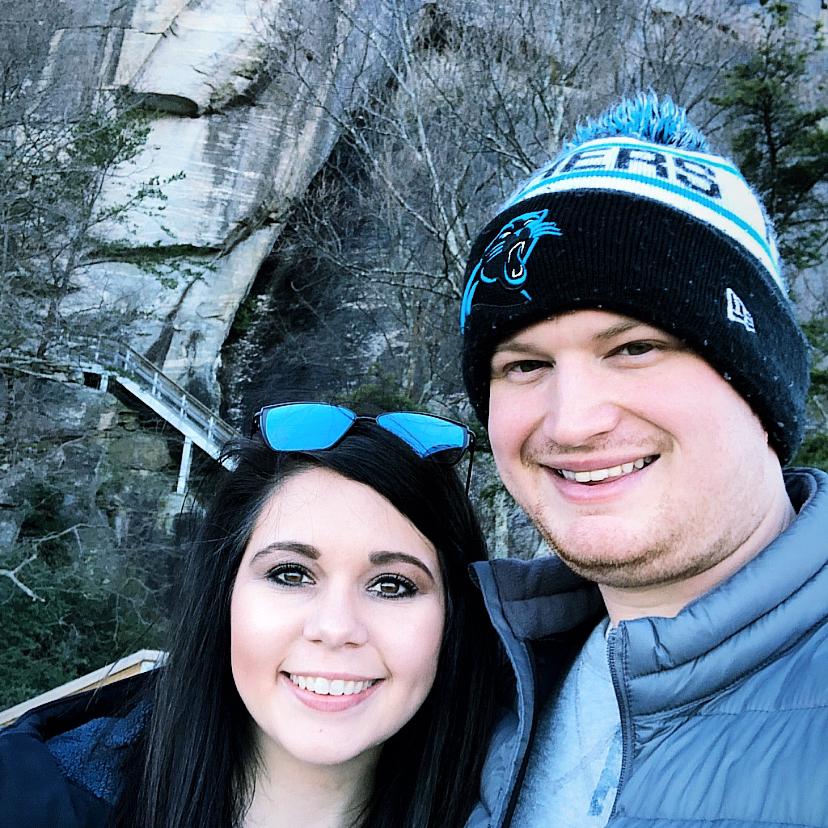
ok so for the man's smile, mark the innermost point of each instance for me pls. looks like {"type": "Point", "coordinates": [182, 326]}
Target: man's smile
{"type": "Point", "coordinates": [597, 475]}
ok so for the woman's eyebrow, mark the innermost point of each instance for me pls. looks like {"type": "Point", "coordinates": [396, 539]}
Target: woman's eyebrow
{"type": "Point", "coordinates": [304, 549]}
{"type": "Point", "coordinates": [399, 557]}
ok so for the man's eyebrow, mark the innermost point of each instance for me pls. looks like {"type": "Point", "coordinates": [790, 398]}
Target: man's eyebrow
{"type": "Point", "coordinates": [399, 557]}
{"type": "Point", "coordinates": [304, 549]}
{"type": "Point", "coordinates": [620, 328]}
{"type": "Point", "coordinates": [515, 346]}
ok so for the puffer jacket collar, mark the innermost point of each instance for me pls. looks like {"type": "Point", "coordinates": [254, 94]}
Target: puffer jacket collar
{"type": "Point", "coordinates": [762, 610]}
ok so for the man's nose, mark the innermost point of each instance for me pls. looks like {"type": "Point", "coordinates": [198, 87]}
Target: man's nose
{"type": "Point", "coordinates": [582, 404]}
{"type": "Point", "coordinates": [335, 618]}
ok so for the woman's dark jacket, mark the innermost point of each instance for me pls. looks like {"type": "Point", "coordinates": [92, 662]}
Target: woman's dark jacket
{"type": "Point", "coordinates": [724, 708]}
{"type": "Point", "coordinates": [59, 763]}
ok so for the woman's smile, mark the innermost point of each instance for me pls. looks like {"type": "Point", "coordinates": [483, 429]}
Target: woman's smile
{"type": "Point", "coordinates": [326, 686]}
{"type": "Point", "coordinates": [330, 696]}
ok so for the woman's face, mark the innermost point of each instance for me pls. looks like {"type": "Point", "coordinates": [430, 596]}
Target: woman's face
{"type": "Point", "coordinates": [336, 620]}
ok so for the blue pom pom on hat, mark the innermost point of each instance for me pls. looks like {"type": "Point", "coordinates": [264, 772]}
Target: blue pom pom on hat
{"type": "Point", "coordinates": [636, 215]}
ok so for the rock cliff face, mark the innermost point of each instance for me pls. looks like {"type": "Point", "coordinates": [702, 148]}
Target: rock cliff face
{"type": "Point", "coordinates": [245, 102]}
{"type": "Point", "coordinates": [235, 135]}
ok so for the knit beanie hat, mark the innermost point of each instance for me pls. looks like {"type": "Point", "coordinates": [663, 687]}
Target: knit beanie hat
{"type": "Point", "coordinates": [638, 217]}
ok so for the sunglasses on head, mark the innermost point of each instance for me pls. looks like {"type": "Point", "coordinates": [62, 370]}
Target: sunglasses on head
{"type": "Point", "coordinates": [312, 426]}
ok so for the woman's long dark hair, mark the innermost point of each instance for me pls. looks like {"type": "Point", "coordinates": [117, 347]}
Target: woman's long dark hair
{"type": "Point", "coordinates": [196, 763]}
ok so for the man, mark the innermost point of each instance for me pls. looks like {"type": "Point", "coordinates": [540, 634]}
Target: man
{"type": "Point", "coordinates": [630, 345]}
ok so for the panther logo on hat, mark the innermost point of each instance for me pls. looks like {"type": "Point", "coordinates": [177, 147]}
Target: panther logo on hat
{"type": "Point", "coordinates": [505, 258]}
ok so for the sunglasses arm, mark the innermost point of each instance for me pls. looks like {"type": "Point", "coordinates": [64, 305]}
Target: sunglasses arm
{"type": "Point", "coordinates": [471, 462]}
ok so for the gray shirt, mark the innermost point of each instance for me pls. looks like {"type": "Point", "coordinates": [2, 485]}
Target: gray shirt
{"type": "Point", "coordinates": [575, 763]}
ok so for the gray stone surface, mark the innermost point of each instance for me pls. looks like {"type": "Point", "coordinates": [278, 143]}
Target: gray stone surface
{"type": "Point", "coordinates": [248, 127]}
{"type": "Point", "coordinates": [205, 47]}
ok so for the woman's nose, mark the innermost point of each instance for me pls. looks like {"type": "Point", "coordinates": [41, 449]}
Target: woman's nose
{"type": "Point", "coordinates": [335, 619]}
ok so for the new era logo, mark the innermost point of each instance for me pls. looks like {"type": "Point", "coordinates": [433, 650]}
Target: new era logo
{"type": "Point", "coordinates": [738, 312]}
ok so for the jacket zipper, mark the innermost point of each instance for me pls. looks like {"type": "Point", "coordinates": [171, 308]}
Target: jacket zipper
{"type": "Point", "coordinates": [613, 647]}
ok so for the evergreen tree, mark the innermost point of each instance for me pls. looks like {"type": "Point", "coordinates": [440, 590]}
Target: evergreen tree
{"type": "Point", "coordinates": [779, 138]}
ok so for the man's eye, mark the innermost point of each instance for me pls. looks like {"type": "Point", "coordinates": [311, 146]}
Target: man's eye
{"type": "Point", "coordinates": [290, 575]}
{"type": "Point", "coordinates": [392, 586]}
{"type": "Point", "coordinates": [525, 366]}
{"type": "Point", "coordinates": [635, 348]}
{"type": "Point", "coordinates": [518, 369]}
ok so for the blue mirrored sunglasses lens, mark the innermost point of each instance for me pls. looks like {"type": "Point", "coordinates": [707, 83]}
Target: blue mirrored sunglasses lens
{"type": "Point", "coordinates": [304, 426]}
{"type": "Point", "coordinates": [428, 436]}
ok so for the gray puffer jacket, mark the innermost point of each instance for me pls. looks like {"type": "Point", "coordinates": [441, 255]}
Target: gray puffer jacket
{"type": "Point", "coordinates": [724, 708]}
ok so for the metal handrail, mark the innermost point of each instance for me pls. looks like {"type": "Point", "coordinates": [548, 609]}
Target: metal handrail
{"type": "Point", "coordinates": [118, 358]}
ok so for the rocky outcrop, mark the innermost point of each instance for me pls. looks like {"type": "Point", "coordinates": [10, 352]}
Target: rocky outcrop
{"type": "Point", "coordinates": [243, 116]}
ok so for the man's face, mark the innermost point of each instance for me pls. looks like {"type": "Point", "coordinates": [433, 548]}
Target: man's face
{"type": "Point", "coordinates": [636, 460]}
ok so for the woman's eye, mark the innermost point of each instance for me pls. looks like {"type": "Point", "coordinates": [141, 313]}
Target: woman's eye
{"type": "Point", "coordinates": [290, 575]}
{"type": "Point", "coordinates": [392, 586]}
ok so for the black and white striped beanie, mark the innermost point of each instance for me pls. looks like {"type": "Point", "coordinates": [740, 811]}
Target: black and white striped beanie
{"type": "Point", "coordinates": [638, 217]}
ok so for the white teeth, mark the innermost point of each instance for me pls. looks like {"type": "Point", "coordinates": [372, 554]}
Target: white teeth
{"type": "Point", "coordinates": [596, 475]}
{"type": "Point", "coordinates": [330, 687]}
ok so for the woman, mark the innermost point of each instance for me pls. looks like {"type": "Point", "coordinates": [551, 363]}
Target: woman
{"type": "Point", "coordinates": [331, 662]}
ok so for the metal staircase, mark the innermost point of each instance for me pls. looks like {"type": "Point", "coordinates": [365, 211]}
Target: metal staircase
{"type": "Point", "coordinates": [115, 361]}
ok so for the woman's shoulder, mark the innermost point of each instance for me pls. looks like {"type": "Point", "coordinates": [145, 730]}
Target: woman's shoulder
{"type": "Point", "coordinates": [59, 763]}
